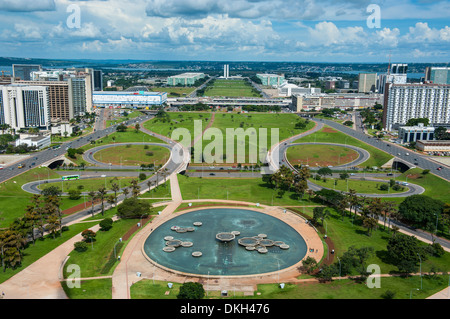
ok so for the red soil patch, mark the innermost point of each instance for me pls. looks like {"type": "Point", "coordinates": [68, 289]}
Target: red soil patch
{"type": "Point", "coordinates": [328, 130]}
{"type": "Point", "coordinates": [78, 207]}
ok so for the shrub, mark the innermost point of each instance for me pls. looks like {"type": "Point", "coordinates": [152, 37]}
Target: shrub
{"type": "Point", "coordinates": [191, 290]}
{"type": "Point", "coordinates": [384, 187]}
{"type": "Point", "coordinates": [80, 246]}
{"type": "Point", "coordinates": [388, 294]}
{"type": "Point", "coordinates": [438, 250]}
{"type": "Point", "coordinates": [142, 176]}
{"type": "Point", "coordinates": [106, 224]}
{"type": "Point", "coordinates": [88, 235]}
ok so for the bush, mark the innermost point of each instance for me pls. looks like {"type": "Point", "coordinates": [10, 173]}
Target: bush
{"type": "Point", "coordinates": [438, 250]}
{"type": "Point", "coordinates": [384, 187]}
{"type": "Point", "coordinates": [106, 224]}
{"type": "Point", "coordinates": [74, 194]}
{"type": "Point", "coordinates": [133, 208]}
{"type": "Point", "coordinates": [142, 176]}
{"type": "Point", "coordinates": [191, 290]}
{"type": "Point", "coordinates": [88, 235]}
{"type": "Point", "coordinates": [388, 294]}
{"type": "Point", "coordinates": [80, 246]}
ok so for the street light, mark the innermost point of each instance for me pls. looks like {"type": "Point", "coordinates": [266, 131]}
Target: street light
{"type": "Point", "coordinates": [339, 267]}
{"type": "Point", "coordinates": [410, 293]}
{"type": "Point", "coordinates": [420, 270]}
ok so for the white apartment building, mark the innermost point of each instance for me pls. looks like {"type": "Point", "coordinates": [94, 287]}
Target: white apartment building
{"type": "Point", "coordinates": [24, 106]}
{"type": "Point", "coordinates": [406, 101]}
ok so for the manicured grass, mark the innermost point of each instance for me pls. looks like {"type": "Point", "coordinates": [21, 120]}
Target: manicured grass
{"type": "Point", "coordinates": [162, 191]}
{"type": "Point", "coordinates": [149, 289]}
{"type": "Point", "coordinates": [260, 124]}
{"type": "Point", "coordinates": [330, 135]}
{"type": "Point", "coordinates": [435, 186]}
{"type": "Point", "coordinates": [361, 186]}
{"type": "Point", "coordinates": [320, 155]}
{"type": "Point", "coordinates": [99, 259]}
{"type": "Point", "coordinates": [43, 247]}
{"type": "Point", "coordinates": [350, 289]}
{"type": "Point", "coordinates": [231, 88]}
{"type": "Point", "coordinates": [89, 184]}
{"type": "Point", "coordinates": [183, 120]}
{"type": "Point", "coordinates": [350, 232]}
{"type": "Point", "coordinates": [13, 200]}
{"type": "Point", "coordinates": [242, 189]}
{"type": "Point", "coordinates": [175, 91]}
{"type": "Point", "coordinates": [133, 155]}
{"type": "Point", "coordinates": [90, 289]}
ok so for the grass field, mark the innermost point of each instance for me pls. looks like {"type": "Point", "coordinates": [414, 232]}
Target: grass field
{"type": "Point", "coordinates": [231, 88]}
{"type": "Point", "coordinates": [320, 155]}
{"type": "Point", "coordinates": [361, 186]}
{"type": "Point", "coordinates": [133, 155]}
{"type": "Point", "coordinates": [89, 184]}
{"type": "Point", "coordinates": [242, 189]}
{"type": "Point", "coordinates": [330, 135]}
{"type": "Point", "coordinates": [174, 91]}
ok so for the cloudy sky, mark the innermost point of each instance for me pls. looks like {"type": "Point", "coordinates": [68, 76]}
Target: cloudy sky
{"type": "Point", "coordinates": [231, 30]}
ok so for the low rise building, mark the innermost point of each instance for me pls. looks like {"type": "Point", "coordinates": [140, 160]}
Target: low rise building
{"type": "Point", "coordinates": [39, 141]}
{"type": "Point", "coordinates": [433, 146]}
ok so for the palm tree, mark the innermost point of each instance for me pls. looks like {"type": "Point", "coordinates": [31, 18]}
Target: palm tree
{"type": "Point", "coordinates": [135, 188]}
{"type": "Point", "coordinates": [370, 223]}
{"type": "Point", "coordinates": [125, 192]}
{"type": "Point", "coordinates": [101, 194]}
{"type": "Point", "coordinates": [353, 199]}
{"type": "Point", "coordinates": [92, 196]}
{"type": "Point", "coordinates": [53, 223]}
{"type": "Point", "coordinates": [115, 188]}
{"type": "Point", "coordinates": [389, 210]}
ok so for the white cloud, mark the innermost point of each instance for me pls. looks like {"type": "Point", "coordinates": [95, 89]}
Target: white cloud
{"type": "Point", "coordinates": [27, 5]}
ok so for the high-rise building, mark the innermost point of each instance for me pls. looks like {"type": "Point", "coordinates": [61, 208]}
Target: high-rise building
{"type": "Point", "coordinates": [97, 80]}
{"type": "Point", "coordinates": [397, 74]}
{"type": "Point", "coordinates": [58, 99]}
{"type": "Point", "coordinates": [367, 82]}
{"type": "Point", "coordinates": [80, 94]}
{"type": "Point", "coordinates": [271, 79]}
{"type": "Point", "coordinates": [23, 71]}
{"type": "Point", "coordinates": [24, 106]}
{"type": "Point", "coordinates": [226, 71]}
{"type": "Point", "coordinates": [407, 101]}
{"type": "Point", "coordinates": [437, 75]}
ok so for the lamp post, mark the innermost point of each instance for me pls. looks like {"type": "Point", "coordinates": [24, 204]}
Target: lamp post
{"type": "Point", "coordinates": [119, 241]}
{"type": "Point", "coordinates": [420, 270]}
{"type": "Point", "coordinates": [339, 267]}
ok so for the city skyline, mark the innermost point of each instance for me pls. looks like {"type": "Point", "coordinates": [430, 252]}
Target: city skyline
{"type": "Point", "coordinates": [242, 30]}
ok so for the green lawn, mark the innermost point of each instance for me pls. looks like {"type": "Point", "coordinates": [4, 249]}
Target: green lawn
{"type": "Point", "coordinates": [89, 184]}
{"type": "Point", "coordinates": [174, 91]}
{"type": "Point", "coordinates": [330, 135]}
{"type": "Point", "coordinates": [133, 155]}
{"type": "Point", "coordinates": [149, 289]}
{"type": "Point", "coordinates": [349, 289]}
{"type": "Point", "coordinates": [242, 189]}
{"type": "Point", "coordinates": [320, 155]}
{"type": "Point", "coordinates": [90, 289]}
{"type": "Point", "coordinates": [43, 247]}
{"type": "Point", "coordinates": [231, 88]}
{"type": "Point", "coordinates": [361, 186]}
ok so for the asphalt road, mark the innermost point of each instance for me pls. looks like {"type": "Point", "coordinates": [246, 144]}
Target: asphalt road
{"type": "Point", "coordinates": [413, 159]}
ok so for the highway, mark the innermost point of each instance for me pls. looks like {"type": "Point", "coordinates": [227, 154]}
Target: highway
{"type": "Point", "coordinates": [421, 161]}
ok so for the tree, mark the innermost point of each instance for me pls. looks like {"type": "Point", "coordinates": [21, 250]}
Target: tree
{"type": "Point", "coordinates": [328, 272]}
{"type": "Point", "coordinates": [441, 133]}
{"type": "Point", "coordinates": [420, 210]}
{"type": "Point", "coordinates": [88, 235]}
{"type": "Point", "coordinates": [370, 223]}
{"type": "Point", "coordinates": [51, 191]}
{"type": "Point", "coordinates": [403, 250]}
{"type": "Point", "coordinates": [121, 128]}
{"type": "Point", "coordinates": [324, 171]}
{"type": "Point", "coordinates": [133, 208]}
{"type": "Point", "coordinates": [191, 290]}
{"type": "Point", "coordinates": [74, 194]}
{"type": "Point", "coordinates": [92, 196]}
{"type": "Point", "coordinates": [320, 213]}
{"type": "Point", "coordinates": [309, 265]}
{"type": "Point", "coordinates": [101, 193]}
{"type": "Point", "coordinates": [53, 223]}
{"type": "Point", "coordinates": [106, 224]}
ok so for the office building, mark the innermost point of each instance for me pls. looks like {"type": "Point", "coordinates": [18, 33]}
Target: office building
{"type": "Point", "coordinates": [185, 79]}
{"type": "Point", "coordinates": [407, 101]}
{"type": "Point", "coordinates": [271, 79]}
{"type": "Point", "coordinates": [302, 102]}
{"type": "Point", "coordinates": [437, 75]}
{"type": "Point", "coordinates": [97, 80]}
{"type": "Point", "coordinates": [367, 82]}
{"type": "Point", "coordinates": [80, 95]}
{"type": "Point", "coordinates": [288, 89]}
{"type": "Point", "coordinates": [24, 106]}
{"type": "Point", "coordinates": [128, 99]}
{"type": "Point", "coordinates": [38, 141]}
{"type": "Point", "coordinates": [397, 74]}
{"type": "Point", "coordinates": [23, 71]}
{"type": "Point", "coordinates": [226, 71]}
{"type": "Point", "coordinates": [408, 134]}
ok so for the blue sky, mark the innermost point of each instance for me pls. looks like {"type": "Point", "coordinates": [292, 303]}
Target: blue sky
{"type": "Point", "coordinates": [233, 30]}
